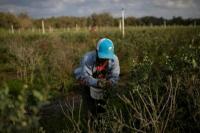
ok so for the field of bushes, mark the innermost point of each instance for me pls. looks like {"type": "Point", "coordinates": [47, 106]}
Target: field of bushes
{"type": "Point", "coordinates": [158, 91]}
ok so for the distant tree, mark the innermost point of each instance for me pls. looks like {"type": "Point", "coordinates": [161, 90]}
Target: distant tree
{"type": "Point", "coordinates": [103, 19]}
{"type": "Point", "coordinates": [132, 21]}
{"type": "Point", "coordinates": [116, 22]}
{"type": "Point", "coordinates": [148, 20]}
{"type": "Point", "coordinates": [25, 20]}
{"type": "Point", "coordinates": [8, 19]}
{"type": "Point", "coordinates": [176, 21]}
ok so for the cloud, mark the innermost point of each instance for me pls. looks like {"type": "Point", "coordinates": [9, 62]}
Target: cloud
{"type": "Point", "coordinates": [138, 8]}
{"type": "Point", "coordinates": [73, 1]}
{"type": "Point", "coordinates": [179, 4]}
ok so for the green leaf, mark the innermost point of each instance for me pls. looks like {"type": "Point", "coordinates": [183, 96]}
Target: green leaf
{"type": "Point", "coordinates": [194, 63]}
{"type": "Point", "coordinates": [38, 95]}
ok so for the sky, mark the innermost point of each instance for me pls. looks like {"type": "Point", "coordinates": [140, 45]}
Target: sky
{"type": "Point", "coordinates": [136, 8]}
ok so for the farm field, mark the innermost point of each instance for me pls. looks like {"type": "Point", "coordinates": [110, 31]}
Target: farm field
{"type": "Point", "coordinates": [158, 91]}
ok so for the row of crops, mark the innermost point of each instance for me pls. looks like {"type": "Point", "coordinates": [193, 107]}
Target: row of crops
{"type": "Point", "coordinates": [158, 89]}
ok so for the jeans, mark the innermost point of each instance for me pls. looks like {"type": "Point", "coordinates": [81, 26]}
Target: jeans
{"type": "Point", "coordinates": [92, 106]}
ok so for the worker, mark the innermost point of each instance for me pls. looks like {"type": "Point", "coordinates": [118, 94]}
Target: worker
{"type": "Point", "coordinates": [98, 72]}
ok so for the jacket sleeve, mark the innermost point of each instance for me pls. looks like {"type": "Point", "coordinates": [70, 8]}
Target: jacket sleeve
{"type": "Point", "coordinates": [115, 71]}
{"type": "Point", "coordinates": [86, 72]}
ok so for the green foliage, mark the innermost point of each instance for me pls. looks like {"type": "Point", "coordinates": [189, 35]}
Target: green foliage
{"type": "Point", "coordinates": [158, 90]}
{"type": "Point", "coordinates": [8, 19]}
{"type": "Point", "coordinates": [14, 117]}
{"type": "Point", "coordinates": [23, 21]}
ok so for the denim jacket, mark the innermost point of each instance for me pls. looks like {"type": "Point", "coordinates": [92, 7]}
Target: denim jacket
{"type": "Point", "coordinates": [87, 68]}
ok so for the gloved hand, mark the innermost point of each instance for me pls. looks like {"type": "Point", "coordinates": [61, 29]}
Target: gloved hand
{"type": "Point", "coordinates": [102, 83]}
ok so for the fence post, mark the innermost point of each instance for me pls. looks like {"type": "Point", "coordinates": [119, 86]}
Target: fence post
{"type": "Point", "coordinates": [77, 28]}
{"type": "Point", "coordinates": [120, 25]}
{"type": "Point", "coordinates": [165, 24]}
{"type": "Point", "coordinates": [123, 32]}
{"type": "Point", "coordinates": [33, 30]}
{"type": "Point", "coordinates": [50, 29]}
{"type": "Point", "coordinates": [43, 29]}
{"type": "Point", "coordinates": [12, 29]}
{"type": "Point", "coordinates": [19, 31]}
{"type": "Point", "coordinates": [195, 24]}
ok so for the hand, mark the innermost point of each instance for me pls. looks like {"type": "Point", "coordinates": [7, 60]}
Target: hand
{"type": "Point", "coordinates": [108, 84]}
{"type": "Point", "coordinates": [102, 83]}
{"type": "Point", "coordinates": [82, 82]}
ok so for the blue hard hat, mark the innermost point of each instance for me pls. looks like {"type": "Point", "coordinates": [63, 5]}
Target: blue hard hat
{"type": "Point", "coordinates": [105, 49]}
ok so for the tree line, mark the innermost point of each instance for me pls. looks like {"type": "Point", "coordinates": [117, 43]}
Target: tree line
{"type": "Point", "coordinates": [24, 21]}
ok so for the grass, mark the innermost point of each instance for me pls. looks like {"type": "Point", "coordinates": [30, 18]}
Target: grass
{"type": "Point", "coordinates": [158, 90]}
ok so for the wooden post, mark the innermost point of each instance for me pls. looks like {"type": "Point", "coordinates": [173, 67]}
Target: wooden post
{"type": "Point", "coordinates": [77, 28]}
{"type": "Point", "coordinates": [195, 24]}
{"type": "Point", "coordinates": [33, 30]}
{"type": "Point", "coordinates": [43, 30]}
{"type": "Point", "coordinates": [50, 29]}
{"type": "Point", "coordinates": [123, 32]}
{"type": "Point", "coordinates": [89, 27]}
{"type": "Point", "coordinates": [120, 25]}
{"type": "Point", "coordinates": [12, 29]}
{"type": "Point", "coordinates": [165, 24]}
{"type": "Point", "coordinates": [19, 31]}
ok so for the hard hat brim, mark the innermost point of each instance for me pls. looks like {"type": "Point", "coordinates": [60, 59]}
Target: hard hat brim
{"type": "Point", "coordinates": [105, 56]}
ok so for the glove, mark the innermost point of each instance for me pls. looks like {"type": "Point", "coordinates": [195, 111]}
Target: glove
{"type": "Point", "coordinates": [102, 83]}
{"type": "Point", "coordinates": [82, 82]}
